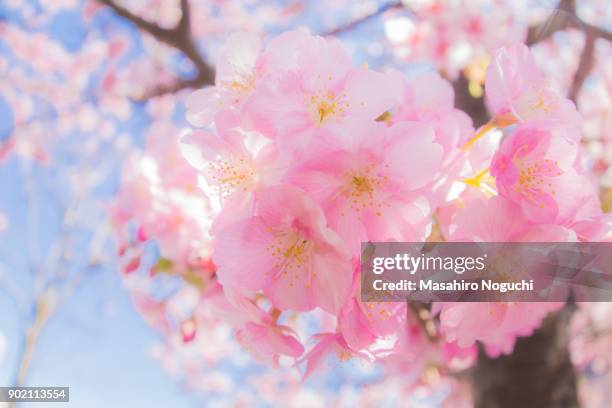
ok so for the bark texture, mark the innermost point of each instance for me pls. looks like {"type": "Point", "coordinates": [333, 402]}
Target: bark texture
{"type": "Point", "coordinates": [537, 374]}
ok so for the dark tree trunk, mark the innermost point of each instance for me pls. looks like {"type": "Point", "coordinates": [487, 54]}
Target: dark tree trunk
{"type": "Point", "coordinates": [474, 107]}
{"type": "Point", "coordinates": [537, 374]}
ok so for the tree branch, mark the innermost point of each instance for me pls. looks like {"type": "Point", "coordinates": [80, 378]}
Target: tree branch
{"type": "Point", "coordinates": [354, 23]}
{"type": "Point", "coordinates": [184, 24]}
{"type": "Point", "coordinates": [587, 60]}
{"type": "Point", "coordinates": [144, 25]}
{"type": "Point", "coordinates": [599, 32]}
{"type": "Point", "coordinates": [178, 85]}
{"type": "Point", "coordinates": [562, 18]}
{"type": "Point", "coordinates": [180, 38]}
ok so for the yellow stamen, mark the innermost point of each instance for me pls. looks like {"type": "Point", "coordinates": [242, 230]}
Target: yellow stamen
{"type": "Point", "coordinates": [533, 179]}
{"type": "Point", "coordinates": [231, 175]}
{"type": "Point", "coordinates": [291, 253]}
{"type": "Point", "coordinates": [385, 117]}
{"type": "Point", "coordinates": [540, 104]}
{"type": "Point", "coordinates": [361, 189]}
{"type": "Point", "coordinates": [243, 85]}
{"type": "Point", "coordinates": [326, 106]}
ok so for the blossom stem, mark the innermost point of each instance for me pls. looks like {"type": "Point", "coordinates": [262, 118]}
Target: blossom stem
{"type": "Point", "coordinates": [480, 181]}
{"type": "Point", "coordinates": [477, 179]}
{"type": "Point", "coordinates": [498, 121]}
{"type": "Point", "coordinates": [483, 130]}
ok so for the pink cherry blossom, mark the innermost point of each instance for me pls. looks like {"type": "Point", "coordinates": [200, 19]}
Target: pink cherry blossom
{"type": "Point", "coordinates": [241, 65]}
{"type": "Point", "coordinates": [500, 220]}
{"type": "Point", "coordinates": [427, 98]}
{"type": "Point", "coordinates": [286, 250]}
{"type": "Point", "coordinates": [362, 324]}
{"type": "Point", "coordinates": [236, 71]}
{"type": "Point", "coordinates": [324, 90]}
{"type": "Point", "coordinates": [236, 165]}
{"type": "Point", "coordinates": [495, 324]}
{"type": "Point", "coordinates": [266, 343]}
{"type": "Point", "coordinates": [517, 91]}
{"type": "Point", "coordinates": [535, 167]}
{"type": "Point", "coordinates": [329, 343]}
{"type": "Point", "coordinates": [595, 229]}
{"type": "Point", "coordinates": [367, 180]}
{"type": "Point", "coordinates": [256, 329]}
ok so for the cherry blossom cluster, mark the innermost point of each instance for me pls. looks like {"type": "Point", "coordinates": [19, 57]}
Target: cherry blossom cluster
{"type": "Point", "coordinates": [309, 157]}
{"type": "Point", "coordinates": [304, 156]}
{"type": "Point", "coordinates": [458, 38]}
{"type": "Point", "coordinates": [538, 186]}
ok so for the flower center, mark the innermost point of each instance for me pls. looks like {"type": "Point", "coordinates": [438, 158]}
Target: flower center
{"type": "Point", "coordinates": [378, 310]}
{"type": "Point", "coordinates": [533, 178]}
{"type": "Point", "coordinates": [361, 187]}
{"type": "Point", "coordinates": [231, 176]}
{"type": "Point", "coordinates": [326, 106]}
{"type": "Point", "coordinates": [539, 101]}
{"type": "Point", "coordinates": [291, 252]}
{"type": "Point", "coordinates": [244, 84]}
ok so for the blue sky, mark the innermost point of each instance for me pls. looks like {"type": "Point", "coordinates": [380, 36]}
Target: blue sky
{"type": "Point", "coordinates": [96, 343]}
